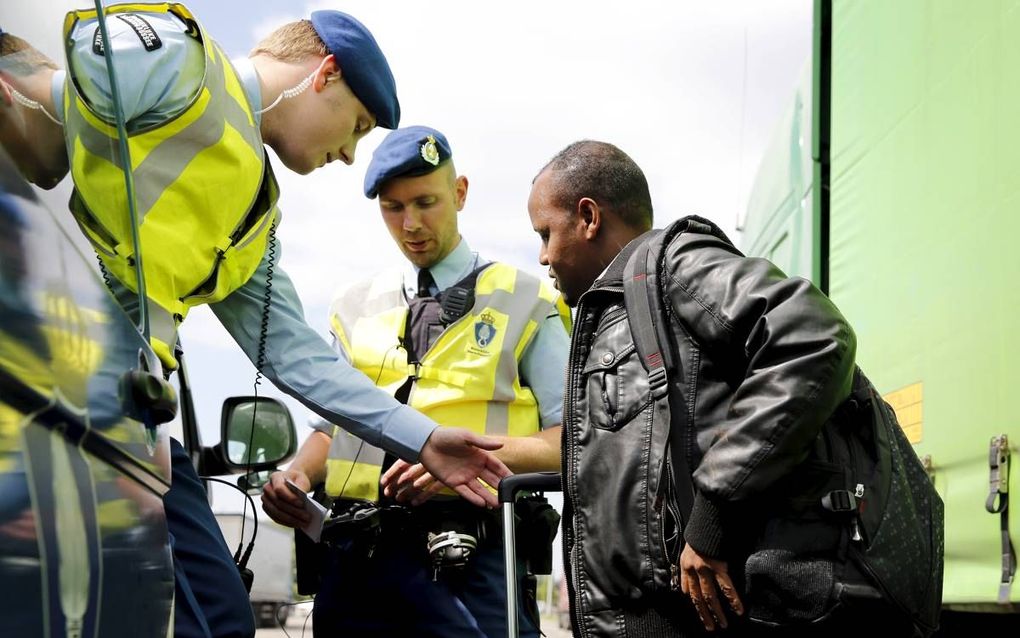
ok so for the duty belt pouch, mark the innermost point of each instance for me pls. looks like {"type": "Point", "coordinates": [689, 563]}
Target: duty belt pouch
{"type": "Point", "coordinates": [537, 522]}
{"type": "Point", "coordinates": [310, 558]}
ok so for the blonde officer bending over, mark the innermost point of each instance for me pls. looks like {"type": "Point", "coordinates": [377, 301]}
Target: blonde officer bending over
{"type": "Point", "coordinates": [467, 341]}
{"type": "Point", "coordinates": [206, 201]}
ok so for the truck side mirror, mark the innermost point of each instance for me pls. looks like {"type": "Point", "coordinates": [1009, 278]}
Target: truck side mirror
{"type": "Point", "coordinates": [257, 433]}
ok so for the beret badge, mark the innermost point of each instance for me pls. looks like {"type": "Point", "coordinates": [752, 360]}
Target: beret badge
{"type": "Point", "coordinates": [429, 152]}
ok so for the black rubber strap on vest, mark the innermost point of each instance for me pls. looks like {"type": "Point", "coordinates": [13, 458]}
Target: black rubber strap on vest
{"type": "Point", "coordinates": [650, 330]}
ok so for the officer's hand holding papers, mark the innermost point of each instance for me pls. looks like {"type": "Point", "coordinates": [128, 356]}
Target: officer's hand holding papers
{"type": "Point", "coordinates": [284, 503]}
{"type": "Point", "coordinates": [316, 512]}
{"type": "Point", "coordinates": [459, 458]}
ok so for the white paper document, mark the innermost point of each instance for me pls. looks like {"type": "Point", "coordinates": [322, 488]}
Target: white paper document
{"type": "Point", "coordinates": [318, 513]}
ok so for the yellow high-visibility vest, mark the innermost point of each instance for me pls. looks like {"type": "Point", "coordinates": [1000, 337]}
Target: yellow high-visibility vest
{"type": "Point", "coordinates": [205, 194]}
{"type": "Point", "coordinates": [468, 378]}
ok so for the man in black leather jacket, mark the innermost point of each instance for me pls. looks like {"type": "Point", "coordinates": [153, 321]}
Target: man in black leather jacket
{"type": "Point", "coordinates": [767, 360]}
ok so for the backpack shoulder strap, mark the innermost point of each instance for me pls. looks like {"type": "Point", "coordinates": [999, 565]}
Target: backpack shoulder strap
{"type": "Point", "coordinates": [649, 327]}
{"type": "Point", "coordinates": [645, 312]}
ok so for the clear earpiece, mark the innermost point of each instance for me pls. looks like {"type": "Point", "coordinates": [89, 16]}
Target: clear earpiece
{"type": "Point", "coordinates": [297, 89]}
{"type": "Point", "coordinates": [32, 104]}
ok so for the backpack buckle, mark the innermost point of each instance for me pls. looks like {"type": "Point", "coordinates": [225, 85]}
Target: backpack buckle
{"type": "Point", "coordinates": [840, 501]}
{"type": "Point", "coordinates": [658, 382]}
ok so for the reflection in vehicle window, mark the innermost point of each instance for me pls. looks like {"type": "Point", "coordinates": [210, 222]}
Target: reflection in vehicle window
{"type": "Point", "coordinates": [45, 135]}
{"type": "Point", "coordinates": [82, 465]}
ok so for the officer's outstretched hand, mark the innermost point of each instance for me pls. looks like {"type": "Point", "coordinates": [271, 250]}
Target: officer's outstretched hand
{"type": "Point", "coordinates": [281, 503]}
{"type": "Point", "coordinates": [706, 581]}
{"type": "Point", "coordinates": [459, 457]}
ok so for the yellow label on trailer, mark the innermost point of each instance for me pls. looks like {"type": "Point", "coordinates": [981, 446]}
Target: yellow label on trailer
{"type": "Point", "coordinates": [907, 404]}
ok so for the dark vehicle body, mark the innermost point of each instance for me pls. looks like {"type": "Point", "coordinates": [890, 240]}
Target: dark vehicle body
{"type": "Point", "coordinates": [83, 535]}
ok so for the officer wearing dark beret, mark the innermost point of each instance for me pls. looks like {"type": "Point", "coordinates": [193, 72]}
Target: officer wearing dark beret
{"type": "Point", "coordinates": [487, 343]}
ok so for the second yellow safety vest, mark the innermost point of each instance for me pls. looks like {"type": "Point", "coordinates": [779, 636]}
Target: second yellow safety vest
{"type": "Point", "coordinates": [468, 378]}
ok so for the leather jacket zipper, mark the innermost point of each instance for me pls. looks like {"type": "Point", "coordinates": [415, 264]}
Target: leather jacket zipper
{"type": "Point", "coordinates": [567, 452]}
{"type": "Point", "coordinates": [571, 556]}
{"type": "Point", "coordinates": [668, 507]}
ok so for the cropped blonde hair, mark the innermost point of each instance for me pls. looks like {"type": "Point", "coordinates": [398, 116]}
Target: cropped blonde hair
{"type": "Point", "coordinates": [20, 58]}
{"type": "Point", "coordinates": [292, 42]}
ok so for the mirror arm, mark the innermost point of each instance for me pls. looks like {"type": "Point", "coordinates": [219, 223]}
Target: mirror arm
{"type": "Point", "coordinates": [212, 461]}
{"type": "Point", "coordinates": [192, 438]}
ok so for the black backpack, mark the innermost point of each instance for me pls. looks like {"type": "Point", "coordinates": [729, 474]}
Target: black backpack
{"type": "Point", "coordinates": [858, 525]}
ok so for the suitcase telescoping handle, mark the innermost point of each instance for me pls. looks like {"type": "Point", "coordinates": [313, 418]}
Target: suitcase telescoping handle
{"type": "Point", "coordinates": [508, 489]}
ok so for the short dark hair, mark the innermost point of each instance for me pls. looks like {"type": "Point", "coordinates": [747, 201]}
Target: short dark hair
{"type": "Point", "coordinates": [604, 173]}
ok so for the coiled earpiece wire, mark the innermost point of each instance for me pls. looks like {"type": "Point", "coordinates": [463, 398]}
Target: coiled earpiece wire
{"type": "Point", "coordinates": [32, 104]}
{"type": "Point", "coordinates": [297, 89]}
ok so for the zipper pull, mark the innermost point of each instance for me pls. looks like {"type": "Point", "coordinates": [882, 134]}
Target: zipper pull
{"type": "Point", "coordinates": [855, 524]}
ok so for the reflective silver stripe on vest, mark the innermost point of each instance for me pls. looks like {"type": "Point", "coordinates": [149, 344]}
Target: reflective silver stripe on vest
{"type": "Point", "coordinates": [165, 163]}
{"type": "Point", "coordinates": [347, 447]}
{"type": "Point", "coordinates": [497, 418]}
{"type": "Point", "coordinates": [520, 307]}
{"type": "Point", "coordinates": [526, 294]}
{"type": "Point", "coordinates": [352, 306]}
{"type": "Point", "coordinates": [94, 141]}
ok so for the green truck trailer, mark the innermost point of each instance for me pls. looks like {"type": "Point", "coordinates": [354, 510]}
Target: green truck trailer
{"type": "Point", "coordinates": [893, 183]}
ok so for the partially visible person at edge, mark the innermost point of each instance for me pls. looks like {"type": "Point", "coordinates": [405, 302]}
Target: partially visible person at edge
{"type": "Point", "coordinates": [206, 198]}
{"type": "Point", "coordinates": [494, 365]}
{"type": "Point", "coordinates": [768, 359]}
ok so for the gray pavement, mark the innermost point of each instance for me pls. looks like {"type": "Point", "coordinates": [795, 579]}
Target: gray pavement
{"type": "Point", "coordinates": [296, 627]}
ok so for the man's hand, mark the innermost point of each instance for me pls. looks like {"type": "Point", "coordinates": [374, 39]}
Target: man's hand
{"type": "Point", "coordinates": [284, 506]}
{"type": "Point", "coordinates": [703, 579]}
{"type": "Point", "coordinates": [458, 458]}
{"type": "Point", "coordinates": [409, 483]}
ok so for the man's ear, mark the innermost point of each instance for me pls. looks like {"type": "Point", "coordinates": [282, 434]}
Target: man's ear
{"type": "Point", "coordinates": [328, 71]}
{"type": "Point", "coordinates": [5, 92]}
{"type": "Point", "coordinates": [590, 216]}
{"type": "Point", "coordinates": [461, 191]}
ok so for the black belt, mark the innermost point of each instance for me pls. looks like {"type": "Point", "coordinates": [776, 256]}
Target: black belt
{"type": "Point", "coordinates": [390, 521]}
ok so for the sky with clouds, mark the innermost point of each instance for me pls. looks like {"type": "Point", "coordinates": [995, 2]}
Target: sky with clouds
{"type": "Point", "coordinates": [690, 89]}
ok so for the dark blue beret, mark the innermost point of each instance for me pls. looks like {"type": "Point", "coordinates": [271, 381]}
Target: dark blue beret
{"type": "Point", "coordinates": [406, 152]}
{"type": "Point", "coordinates": [362, 64]}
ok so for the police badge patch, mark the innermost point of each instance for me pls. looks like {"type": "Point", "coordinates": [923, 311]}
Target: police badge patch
{"type": "Point", "coordinates": [485, 330]}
